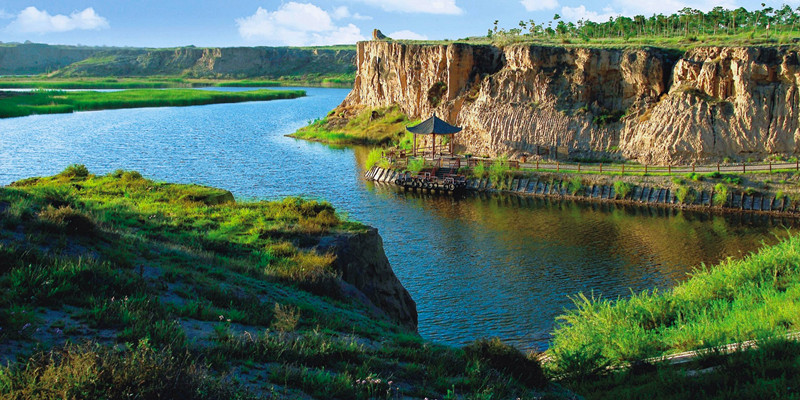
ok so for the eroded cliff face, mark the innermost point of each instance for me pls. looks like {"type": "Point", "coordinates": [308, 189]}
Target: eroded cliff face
{"type": "Point", "coordinates": [644, 104]}
{"type": "Point", "coordinates": [362, 263]}
{"type": "Point", "coordinates": [227, 62]}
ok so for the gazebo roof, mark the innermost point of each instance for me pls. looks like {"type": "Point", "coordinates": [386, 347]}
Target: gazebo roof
{"type": "Point", "coordinates": [433, 126]}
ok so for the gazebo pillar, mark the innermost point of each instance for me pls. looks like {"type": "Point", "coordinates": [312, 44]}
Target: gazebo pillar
{"type": "Point", "coordinates": [414, 146]}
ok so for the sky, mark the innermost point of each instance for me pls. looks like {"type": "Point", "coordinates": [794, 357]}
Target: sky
{"type": "Point", "coordinates": [203, 23]}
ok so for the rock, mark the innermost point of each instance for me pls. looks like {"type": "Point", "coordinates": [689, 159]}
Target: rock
{"type": "Point", "coordinates": [646, 104]}
{"type": "Point", "coordinates": [362, 263]}
{"type": "Point", "coordinates": [378, 35]}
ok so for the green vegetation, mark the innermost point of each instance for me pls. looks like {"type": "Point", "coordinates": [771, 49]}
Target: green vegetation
{"type": "Point", "coordinates": [575, 185]}
{"type": "Point", "coordinates": [499, 172]}
{"type": "Point", "coordinates": [687, 28]}
{"type": "Point", "coordinates": [415, 165]}
{"type": "Point", "coordinates": [720, 194]}
{"type": "Point", "coordinates": [735, 301]}
{"type": "Point", "coordinates": [17, 104]}
{"type": "Point", "coordinates": [366, 127]}
{"type": "Point", "coordinates": [117, 284]}
{"type": "Point", "coordinates": [373, 157]}
{"type": "Point", "coordinates": [479, 171]}
{"type": "Point", "coordinates": [622, 189]}
{"type": "Point", "coordinates": [770, 372]}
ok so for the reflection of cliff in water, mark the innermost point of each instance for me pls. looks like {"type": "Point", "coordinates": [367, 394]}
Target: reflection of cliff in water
{"type": "Point", "coordinates": [673, 241]}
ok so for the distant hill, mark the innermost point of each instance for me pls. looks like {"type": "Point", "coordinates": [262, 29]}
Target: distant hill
{"type": "Point", "coordinates": [191, 62]}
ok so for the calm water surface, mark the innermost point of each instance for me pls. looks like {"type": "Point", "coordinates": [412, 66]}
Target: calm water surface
{"type": "Point", "coordinates": [477, 266]}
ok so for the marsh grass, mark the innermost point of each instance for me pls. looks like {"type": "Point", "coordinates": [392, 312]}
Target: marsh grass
{"type": "Point", "coordinates": [51, 102]}
{"type": "Point", "coordinates": [371, 126]}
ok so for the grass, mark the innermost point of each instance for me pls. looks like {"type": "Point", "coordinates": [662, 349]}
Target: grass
{"type": "Point", "coordinates": [379, 126]}
{"type": "Point", "coordinates": [769, 372]}
{"type": "Point", "coordinates": [734, 301]}
{"type": "Point", "coordinates": [203, 297]}
{"type": "Point", "coordinates": [168, 82]}
{"type": "Point", "coordinates": [51, 102]}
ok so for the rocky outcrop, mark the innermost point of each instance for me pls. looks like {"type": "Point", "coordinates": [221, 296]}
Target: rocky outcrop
{"type": "Point", "coordinates": [645, 104]}
{"type": "Point", "coordinates": [362, 263]}
{"type": "Point", "coordinates": [230, 62]}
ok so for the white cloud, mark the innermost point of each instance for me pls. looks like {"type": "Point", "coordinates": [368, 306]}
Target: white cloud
{"type": "Point", "coordinates": [418, 6]}
{"type": "Point", "coordinates": [32, 20]}
{"type": "Point", "coordinates": [342, 13]}
{"type": "Point", "coordinates": [5, 15]}
{"type": "Point", "coordinates": [297, 24]}
{"type": "Point", "coordinates": [580, 12]}
{"type": "Point", "coordinates": [406, 34]}
{"type": "Point", "coordinates": [538, 5]}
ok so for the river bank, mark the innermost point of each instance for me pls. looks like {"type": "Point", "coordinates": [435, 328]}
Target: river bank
{"type": "Point", "coordinates": [281, 299]}
{"type": "Point", "coordinates": [19, 104]}
{"type": "Point", "coordinates": [712, 192]}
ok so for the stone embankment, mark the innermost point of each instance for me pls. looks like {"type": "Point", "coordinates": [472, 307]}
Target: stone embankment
{"type": "Point", "coordinates": [696, 196]}
{"type": "Point", "coordinates": [650, 105]}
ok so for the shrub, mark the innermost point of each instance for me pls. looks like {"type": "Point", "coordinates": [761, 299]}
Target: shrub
{"type": "Point", "coordinates": [415, 165]}
{"type": "Point", "coordinates": [286, 318]}
{"type": "Point", "coordinates": [498, 171]}
{"type": "Point", "coordinates": [575, 185]}
{"type": "Point", "coordinates": [373, 157]}
{"type": "Point", "coordinates": [479, 171]}
{"type": "Point", "coordinates": [622, 189]}
{"type": "Point", "coordinates": [75, 171]}
{"type": "Point", "coordinates": [67, 219]}
{"type": "Point", "coordinates": [685, 194]}
{"type": "Point", "coordinates": [506, 359]}
{"type": "Point", "coordinates": [720, 194]}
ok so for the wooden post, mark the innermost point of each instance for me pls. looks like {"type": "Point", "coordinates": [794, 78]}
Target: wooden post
{"type": "Point", "coordinates": [770, 167]}
{"type": "Point", "coordinates": [744, 167]}
{"type": "Point", "coordinates": [645, 169]}
{"type": "Point", "coordinates": [669, 169]}
{"type": "Point", "coordinates": [558, 166]}
{"type": "Point", "coordinates": [797, 165]}
{"type": "Point", "coordinates": [579, 168]}
{"type": "Point", "coordinates": [601, 168]}
{"type": "Point", "coordinates": [623, 168]}
{"type": "Point", "coordinates": [692, 167]}
{"type": "Point", "coordinates": [451, 143]}
{"type": "Point", "coordinates": [415, 144]}
{"type": "Point", "coordinates": [434, 146]}
{"type": "Point", "coordinates": [537, 161]}
{"type": "Point", "coordinates": [717, 166]}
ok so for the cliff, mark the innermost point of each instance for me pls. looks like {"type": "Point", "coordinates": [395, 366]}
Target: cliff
{"type": "Point", "coordinates": [362, 263]}
{"type": "Point", "coordinates": [231, 62]}
{"type": "Point", "coordinates": [646, 104]}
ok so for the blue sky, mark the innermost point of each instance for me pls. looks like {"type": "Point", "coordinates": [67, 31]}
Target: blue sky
{"type": "Point", "coordinates": [167, 23]}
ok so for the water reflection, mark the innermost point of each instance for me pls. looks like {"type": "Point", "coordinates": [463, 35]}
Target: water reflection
{"type": "Point", "coordinates": [477, 266]}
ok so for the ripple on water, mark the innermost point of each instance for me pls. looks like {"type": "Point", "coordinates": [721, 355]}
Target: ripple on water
{"type": "Point", "coordinates": [477, 266]}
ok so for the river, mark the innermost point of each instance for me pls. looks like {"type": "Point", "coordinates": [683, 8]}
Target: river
{"type": "Point", "coordinates": [478, 266]}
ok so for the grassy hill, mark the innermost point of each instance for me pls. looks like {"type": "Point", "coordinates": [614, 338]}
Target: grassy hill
{"type": "Point", "coordinates": [117, 285]}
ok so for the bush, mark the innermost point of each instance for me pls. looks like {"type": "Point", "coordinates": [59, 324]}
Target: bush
{"type": "Point", "coordinates": [720, 194]}
{"type": "Point", "coordinates": [373, 157]}
{"type": "Point", "coordinates": [498, 171]}
{"type": "Point", "coordinates": [479, 171]}
{"type": "Point", "coordinates": [685, 194]}
{"type": "Point", "coordinates": [506, 359]}
{"type": "Point", "coordinates": [622, 189]}
{"type": "Point", "coordinates": [415, 165]}
{"type": "Point", "coordinates": [75, 171]}
{"type": "Point", "coordinates": [575, 185]}
{"type": "Point", "coordinates": [67, 219]}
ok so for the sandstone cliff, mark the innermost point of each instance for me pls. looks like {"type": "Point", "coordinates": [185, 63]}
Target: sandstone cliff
{"type": "Point", "coordinates": [646, 104]}
{"type": "Point", "coordinates": [362, 263]}
{"type": "Point", "coordinates": [230, 62]}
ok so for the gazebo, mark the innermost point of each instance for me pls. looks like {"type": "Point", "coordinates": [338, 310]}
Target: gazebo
{"type": "Point", "coordinates": [433, 126]}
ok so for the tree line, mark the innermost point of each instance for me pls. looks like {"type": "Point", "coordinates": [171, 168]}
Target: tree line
{"type": "Point", "coordinates": [688, 22]}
